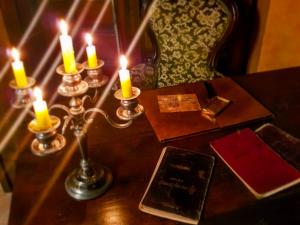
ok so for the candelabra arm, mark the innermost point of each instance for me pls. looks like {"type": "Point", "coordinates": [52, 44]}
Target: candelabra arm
{"type": "Point", "coordinates": [59, 106]}
{"type": "Point", "coordinates": [67, 118]}
{"type": "Point", "coordinates": [92, 99]}
{"type": "Point", "coordinates": [106, 116]}
{"type": "Point", "coordinates": [86, 97]}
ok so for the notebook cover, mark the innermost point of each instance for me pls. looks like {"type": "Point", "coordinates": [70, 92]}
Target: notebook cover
{"type": "Point", "coordinates": [260, 168]}
{"type": "Point", "coordinates": [242, 109]}
{"type": "Point", "coordinates": [178, 186]}
{"type": "Point", "coordinates": [286, 145]}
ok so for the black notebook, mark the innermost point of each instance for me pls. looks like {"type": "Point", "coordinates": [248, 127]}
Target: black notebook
{"type": "Point", "coordinates": [178, 186]}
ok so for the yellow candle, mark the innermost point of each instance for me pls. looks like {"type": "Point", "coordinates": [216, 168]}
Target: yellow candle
{"type": "Point", "coordinates": [18, 69]}
{"type": "Point", "coordinates": [67, 50]}
{"type": "Point", "coordinates": [91, 52]}
{"type": "Point", "coordinates": [125, 78]}
{"type": "Point", "coordinates": [42, 116]}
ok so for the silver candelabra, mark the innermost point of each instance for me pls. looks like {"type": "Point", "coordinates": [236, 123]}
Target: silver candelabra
{"type": "Point", "coordinates": [89, 180]}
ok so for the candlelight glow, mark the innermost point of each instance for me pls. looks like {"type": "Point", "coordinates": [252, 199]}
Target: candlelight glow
{"type": "Point", "coordinates": [91, 51]}
{"type": "Point", "coordinates": [67, 49]}
{"type": "Point", "coordinates": [42, 117]}
{"type": "Point", "coordinates": [37, 92]}
{"type": "Point", "coordinates": [123, 62]}
{"type": "Point", "coordinates": [18, 69]}
{"type": "Point", "coordinates": [88, 39]}
{"type": "Point", "coordinates": [125, 78]}
{"type": "Point", "coordinates": [63, 27]}
{"type": "Point", "coordinates": [15, 54]}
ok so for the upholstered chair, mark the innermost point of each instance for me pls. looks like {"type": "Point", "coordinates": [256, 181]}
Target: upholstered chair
{"type": "Point", "coordinates": [187, 36]}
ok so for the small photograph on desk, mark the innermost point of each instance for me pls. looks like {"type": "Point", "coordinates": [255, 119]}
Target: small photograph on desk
{"type": "Point", "coordinates": [178, 103]}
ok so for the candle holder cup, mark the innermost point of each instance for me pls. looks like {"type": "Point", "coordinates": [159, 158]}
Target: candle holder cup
{"type": "Point", "coordinates": [47, 141]}
{"type": "Point", "coordinates": [129, 109]}
{"type": "Point", "coordinates": [72, 84]}
{"type": "Point", "coordinates": [95, 78]}
{"type": "Point", "coordinates": [23, 95]}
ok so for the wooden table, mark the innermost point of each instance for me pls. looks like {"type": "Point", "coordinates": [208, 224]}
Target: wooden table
{"type": "Point", "coordinates": [39, 196]}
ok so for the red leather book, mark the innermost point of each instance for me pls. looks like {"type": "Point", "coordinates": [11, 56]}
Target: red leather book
{"type": "Point", "coordinates": [260, 168]}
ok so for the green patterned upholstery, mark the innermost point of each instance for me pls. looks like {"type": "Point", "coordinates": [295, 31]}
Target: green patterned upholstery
{"type": "Point", "coordinates": [187, 33]}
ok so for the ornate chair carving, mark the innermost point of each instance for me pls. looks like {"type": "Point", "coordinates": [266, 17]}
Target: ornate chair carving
{"type": "Point", "coordinates": [187, 36]}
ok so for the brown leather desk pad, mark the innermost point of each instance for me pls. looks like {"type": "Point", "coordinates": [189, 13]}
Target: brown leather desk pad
{"type": "Point", "coordinates": [243, 108]}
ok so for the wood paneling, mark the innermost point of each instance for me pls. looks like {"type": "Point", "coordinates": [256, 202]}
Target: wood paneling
{"type": "Point", "coordinates": [19, 14]}
{"type": "Point", "coordinates": [11, 19]}
{"type": "Point", "coordinates": [128, 20]}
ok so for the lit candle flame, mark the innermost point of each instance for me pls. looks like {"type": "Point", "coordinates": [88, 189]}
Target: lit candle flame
{"type": "Point", "coordinates": [15, 54]}
{"type": "Point", "coordinates": [38, 94]}
{"type": "Point", "coordinates": [63, 26]}
{"type": "Point", "coordinates": [42, 117]}
{"type": "Point", "coordinates": [123, 62]}
{"type": "Point", "coordinates": [88, 39]}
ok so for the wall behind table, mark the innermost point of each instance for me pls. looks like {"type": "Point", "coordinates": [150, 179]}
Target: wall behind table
{"type": "Point", "coordinates": [18, 15]}
{"type": "Point", "coordinates": [278, 44]}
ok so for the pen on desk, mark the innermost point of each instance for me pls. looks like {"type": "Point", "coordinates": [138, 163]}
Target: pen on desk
{"type": "Point", "coordinates": [211, 92]}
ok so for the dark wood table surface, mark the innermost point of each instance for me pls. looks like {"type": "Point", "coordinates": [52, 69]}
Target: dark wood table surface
{"type": "Point", "coordinates": [39, 196]}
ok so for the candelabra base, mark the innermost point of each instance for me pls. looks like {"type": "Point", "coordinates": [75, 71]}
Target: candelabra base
{"type": "Point", "coordinates": [84, 186]}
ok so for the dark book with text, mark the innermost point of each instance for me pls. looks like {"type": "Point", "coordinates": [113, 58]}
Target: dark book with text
{"type": "Point", "coordinates": [178, 186]}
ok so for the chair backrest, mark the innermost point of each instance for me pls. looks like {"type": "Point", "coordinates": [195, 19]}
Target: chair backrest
{"type": "Point", "coordinates": [188, 35]}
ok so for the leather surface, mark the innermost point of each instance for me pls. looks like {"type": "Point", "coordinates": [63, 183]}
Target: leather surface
{"type": "Point", "coordinates": [243, 108]}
